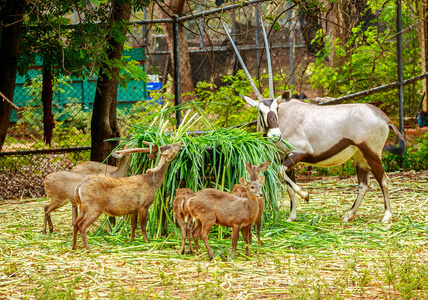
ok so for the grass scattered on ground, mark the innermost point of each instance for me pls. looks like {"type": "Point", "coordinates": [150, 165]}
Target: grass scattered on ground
{"type": "Point", "coordinates": [316, 257]}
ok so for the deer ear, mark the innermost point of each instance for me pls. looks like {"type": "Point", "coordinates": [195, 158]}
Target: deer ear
{"type": "Point", "coordinates": [263, 166]}
{"type": "Point", "coordinates": [250, 101]}
{"type": "Point", "coordinates": [243, 181]}
{"type": "Point", "coordinates": [261, 180]}
{"type": "Point", "coordinates": [247, 167]}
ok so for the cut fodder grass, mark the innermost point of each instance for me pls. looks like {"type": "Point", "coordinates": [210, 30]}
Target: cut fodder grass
{"type": "Point", "coordinates": [212, 159]}
{"type": "Point", "coordinates": [317, 256]}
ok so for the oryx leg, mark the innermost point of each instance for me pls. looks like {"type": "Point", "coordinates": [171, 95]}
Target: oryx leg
{"type": "Point", "coordinates": [294, 186]}
{"type": "Point", "coordinates": [363, 177]}
{"type": "Point", "coordinates": [292, 195]}
{"type": "Point", "coordinates": [375, 163]}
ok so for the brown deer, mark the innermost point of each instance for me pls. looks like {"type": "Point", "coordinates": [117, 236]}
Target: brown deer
{"type": "Point", "coordinates": [60, 186]}
{"type": "Point", "coordinates": [121, 196]}
{"type": "Point", "coordinates": [181, 214]}
{"type": "Point", "coordinates": [210, 206]}
{"type": "Point", "coordinates": [240, 191]}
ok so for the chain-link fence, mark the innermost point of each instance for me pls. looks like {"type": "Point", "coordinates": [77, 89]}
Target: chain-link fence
{"type": "Point", "coordinates": [306, 57]}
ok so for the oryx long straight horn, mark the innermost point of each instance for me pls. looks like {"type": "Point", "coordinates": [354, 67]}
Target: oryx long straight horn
{"type": "Point", "coordinates": [269, 62]}
{"type": "Point", "coordinates": [256, 91]}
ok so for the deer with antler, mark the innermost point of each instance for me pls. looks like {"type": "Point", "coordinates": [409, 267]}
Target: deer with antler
{"type": "Point", "coordinates": [121, 196]}
{"type": "Point", "coordinates": [325, 136]}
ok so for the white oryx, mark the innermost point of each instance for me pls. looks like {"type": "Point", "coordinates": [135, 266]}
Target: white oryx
{"type": "Point", "coordinates": [325, 136]}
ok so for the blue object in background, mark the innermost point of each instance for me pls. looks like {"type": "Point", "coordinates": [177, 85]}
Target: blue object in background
{"type": "Point", "coordinates": [153, 87]}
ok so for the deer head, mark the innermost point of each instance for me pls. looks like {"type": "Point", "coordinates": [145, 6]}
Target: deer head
{"type": "Point", "coordinates": [267, 107]}
{"type": "Point", "coordinates": [168, 153]}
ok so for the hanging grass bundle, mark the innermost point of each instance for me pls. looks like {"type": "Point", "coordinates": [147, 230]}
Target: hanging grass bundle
{"type": "Point", "coordinates": [209, 159]}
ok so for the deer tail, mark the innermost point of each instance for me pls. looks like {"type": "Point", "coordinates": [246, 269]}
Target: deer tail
{"type": "Point", "coordinates": [77, 195]}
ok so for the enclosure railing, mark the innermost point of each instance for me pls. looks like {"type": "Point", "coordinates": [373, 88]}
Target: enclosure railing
{"type": "Point", "coordinates": [212, 62]}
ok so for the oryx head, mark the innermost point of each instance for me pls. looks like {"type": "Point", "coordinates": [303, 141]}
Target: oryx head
{"type": "Point", "coordinates": [268, 107]}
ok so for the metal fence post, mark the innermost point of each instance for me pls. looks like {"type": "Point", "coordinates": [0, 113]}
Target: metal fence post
{"type": "Point", "coordinates": [176, 70]}
{"type": "Point", "coordinates": [400, 67]}
{"type": "Point", "coordinates": [256, 24]}
{"type": "Point", "coordinates": [291, 43]}
{"type": "Point", "coordinates": [201, 26]}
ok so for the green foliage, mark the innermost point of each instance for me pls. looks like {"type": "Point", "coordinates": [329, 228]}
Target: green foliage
{"type": "Point", "coordinates": [366, 59]}
{"type": "Point", "coordinates": [225, 102]}
{"type": "Point", "coordinates": [415, 158]}
{"type": "Point", "coordinates": [137, 113]}
{"type": "Point", "coordinates": [68, 121]}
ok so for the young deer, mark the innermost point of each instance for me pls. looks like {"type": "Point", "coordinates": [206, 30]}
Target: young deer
{"type": "Point", "coordinates": [239, 190]}
{"type": "Point", "coordinates": [60, 186]}
{"type": "Point", "coordinates": [121, 196]}
{"type": "Point", "coordinates": [181, 214]}
{"type": "Point", "coordinates": [210, 206]}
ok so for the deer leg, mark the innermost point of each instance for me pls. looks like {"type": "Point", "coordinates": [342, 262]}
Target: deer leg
{"type": "Point", "coordinates": [184, 232]}
{"type": "Point", "coordinates": [111, 223]}
{"type": "Point", "coordinates": [375, 164]}
{"type": "Point", "coordinates": [142, 216]}
{"type": "Point", "coordinates": [283, 171]}
{"type": "Point", "coordinates": [86, 221]}
{"type": "Point", "coordinates": [74, 213]}
{"type": "Point", "coordinates": [204, 236]}
{"type": "Point", "coordinates": [134, 217]}
{"type": "Point", "coordinates": [75, 229]}
{"type": "Point", "coordinates": [259, 219]}
{"type": "Point", "coordinates": [189, 227]}
{"type": "Point", "coordinates": [45, 220]}
{"type": "Point", "coordinates": [48, 209]}
{"type": "Point", "coordinates": [235, 236]}
{"type": "Point", "coordinates": [74, 246]}
{"type": "Point", "coordinates": [189, 237]}
{"type": "Point", "coordinates": [363, 186]}
{"type": "Point", "coordinates": [246, 234]}
{"type": "Point", "coordinates": [196, 234]}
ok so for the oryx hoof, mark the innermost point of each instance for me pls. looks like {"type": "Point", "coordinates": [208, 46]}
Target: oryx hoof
{"type": "Point", "coordinates": [307, 198]}
{"type": "Point", "coordinates": [348, 218]}
{"type": "Point", "coordinates": [387, 216]}
{"type": "Point", "coordinates": [292, 219]}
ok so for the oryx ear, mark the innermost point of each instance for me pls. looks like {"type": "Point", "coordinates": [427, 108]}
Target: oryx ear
{"type": "Point", "coordinates": [250, 101]}
{"type": "Point", "coordinates": [284, 97]}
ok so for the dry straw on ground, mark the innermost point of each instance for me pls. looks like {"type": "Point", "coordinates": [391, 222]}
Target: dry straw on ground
{"type": "Point", "coordinates": [315, 257]}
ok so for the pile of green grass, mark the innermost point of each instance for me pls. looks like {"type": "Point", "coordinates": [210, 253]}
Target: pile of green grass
{"type": "Point", "coordinates": [214, 158]}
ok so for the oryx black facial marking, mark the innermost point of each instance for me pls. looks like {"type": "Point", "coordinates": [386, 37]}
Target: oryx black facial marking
{"type": "Point", "coordinates": [272, 119]}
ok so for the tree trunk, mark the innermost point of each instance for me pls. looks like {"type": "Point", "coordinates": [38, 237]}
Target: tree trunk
{"type": "Point", "coordinates": [11, 14]}
{"type": "Point", "coordinates": [169, 8]}
{"type": "Point", "coordinates": [104, 120]}
{"type": "Point", "coordinates": [48, 120]}
{"type": "Point", "coordinates": [423, 44]}
{"type": "Point", "coordinates": [340, 18]}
